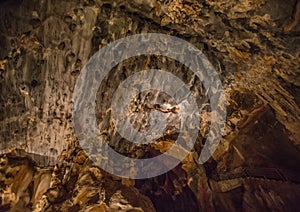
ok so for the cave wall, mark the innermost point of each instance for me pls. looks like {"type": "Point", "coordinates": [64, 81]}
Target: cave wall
{"type": "Point", "coordinates": [45, 44]}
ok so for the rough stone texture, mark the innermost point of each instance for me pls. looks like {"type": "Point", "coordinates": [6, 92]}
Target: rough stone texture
{"type": "Point", "coordinates": [253, 45]}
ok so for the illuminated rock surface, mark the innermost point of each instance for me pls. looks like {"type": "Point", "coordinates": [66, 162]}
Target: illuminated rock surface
{"type": "Point", "coordinates": [252, 44]}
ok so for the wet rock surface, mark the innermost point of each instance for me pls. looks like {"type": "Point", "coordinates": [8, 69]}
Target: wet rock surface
{"type": "Point", "coordinates": [252, 44]}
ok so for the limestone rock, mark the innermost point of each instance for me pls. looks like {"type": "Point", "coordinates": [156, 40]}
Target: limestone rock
{"type": "Point", "coordinates": [252, 44]}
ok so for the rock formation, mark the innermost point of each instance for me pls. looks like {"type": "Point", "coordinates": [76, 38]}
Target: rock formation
{"type": "Point", "coordinates": [252, 44]}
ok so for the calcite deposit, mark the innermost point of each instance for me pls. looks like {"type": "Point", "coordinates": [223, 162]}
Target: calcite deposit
{"type": "Point", "coordinates": [252, 44]}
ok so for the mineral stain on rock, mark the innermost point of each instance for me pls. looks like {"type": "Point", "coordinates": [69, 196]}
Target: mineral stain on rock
{"type": "Point", "coordinates": [252, 44]}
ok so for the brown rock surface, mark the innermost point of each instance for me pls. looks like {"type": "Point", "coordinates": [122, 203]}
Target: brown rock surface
{"type": "Point", "coordinates": [45, 44]}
